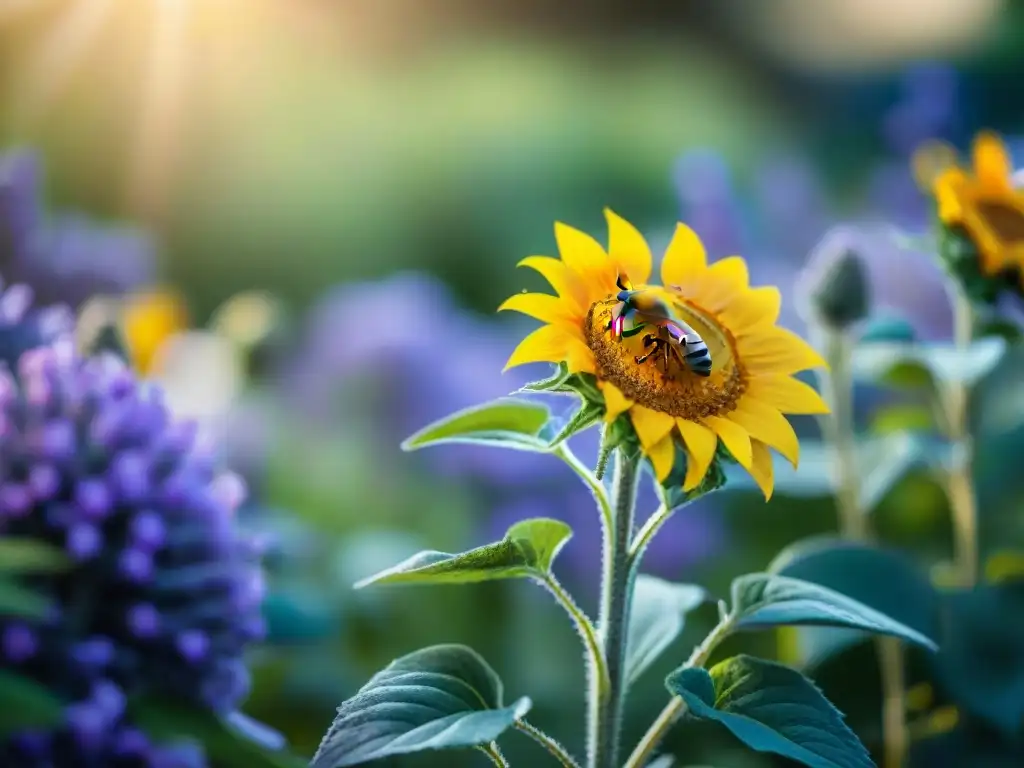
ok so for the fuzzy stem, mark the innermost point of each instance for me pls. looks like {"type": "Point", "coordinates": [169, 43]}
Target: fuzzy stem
{"type": "Point", "coordinates": [840, 431]}
{"type": "Point", "coordinates": [493, 752]}
{"type": "Point", "coordinates": [595, 655]}
{"type": "Point", "coordinates": [676, 707]}
{"type": "Point", "coordinates": [605, 708]}
{"type": "Point", "coordinates": [553, 747]}
{"type": "Point", "coordinates": [959, 483]}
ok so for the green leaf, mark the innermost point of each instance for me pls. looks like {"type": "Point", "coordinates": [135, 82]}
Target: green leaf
{"type": "Point", "coordinates": [30, 556]}
{"type": "Point", "coordinates": [442, 697]}
{"type": "Point", "coordinates": [765, 600]}
{"type": "Point", "coordinates": [901, 418]}
{"type": "Point", "coordinates": [168, 721]}
{"type": "Point", "coordinates": [881, 579]}
{"type": "Point", "coordinates": [504, 423]}
{"type": "Point", "coordinates": [17, 600]}
{"type": "Point", "coordinates": [26, 704]}
{"type": "Point", "coordinates": [553, 384]}
{"type": "Point", "coordinates": [528, 549]}
{"type": "Point", "coordinates": [902, 363]}
{"type": "Point", "coordinates": [771, 708]}
{"type": "Point", "coordinates": [657, 617]}
{"type": "Point", "coordinates": [982, 659]}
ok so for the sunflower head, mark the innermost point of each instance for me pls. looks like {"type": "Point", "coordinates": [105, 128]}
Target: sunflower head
{"type": "Point", "coordinates": [693, 369]}
{"type": "Point", "coordinates": [981, 212]}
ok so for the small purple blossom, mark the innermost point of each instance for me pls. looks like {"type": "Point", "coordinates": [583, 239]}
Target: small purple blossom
{"type": "Point", "coordinates": [166, 591]}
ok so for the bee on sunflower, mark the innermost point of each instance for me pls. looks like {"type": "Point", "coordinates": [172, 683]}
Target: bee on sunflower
{"type": "Point", "coordinates": [695, 364]}
{"type": "Point", "coordinates": [980, 213]}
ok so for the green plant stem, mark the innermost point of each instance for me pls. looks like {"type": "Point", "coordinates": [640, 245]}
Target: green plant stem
{"type": "Point", "coordinates": [959, 481]}
{"type": "Point", "coordinates": [605, 708]}
{"type": "Point", "coordinates": [493, 752]}
{"type": "Point", "coordinates": [676, 706]}
{"type": "Point", "coordinates": [552, 746]}
{"type": "Point", "coordinates": [839, 428]}
{"type": "Point", "coordinates": [595, 655]}
{"type": "Point", "coordinates": [596, 488]}
{"type": "Point", "coordinates": [647, 531]}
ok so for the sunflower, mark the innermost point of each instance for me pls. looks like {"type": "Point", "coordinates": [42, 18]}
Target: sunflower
{"type": "Point", "coordinates": [149, 319]}
{"type": "Point", "coordinates": [740, 403]}
{"type": "Point", "coordinates": [983, 200]}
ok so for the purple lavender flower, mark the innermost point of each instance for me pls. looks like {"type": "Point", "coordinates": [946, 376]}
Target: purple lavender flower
{"type": "Point", "coordinates": [65, 259]}
{"type": "Point", "coordinates": [164, 594]}
{"type": "Point", "coordinates": [23, 327]}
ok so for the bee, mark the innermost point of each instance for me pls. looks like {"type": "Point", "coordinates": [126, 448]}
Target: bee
{"type": "Point", "coordinates": [669, 336]}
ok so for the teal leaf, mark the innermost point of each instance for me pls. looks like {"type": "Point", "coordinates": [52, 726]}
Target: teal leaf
{"type": "Point", "coordinates": [504, 423]}
{"type": "Point", "coordinates": [982, 659]}
{"type": "Point", "coordinates": [26, 704]}
{"type": "Point", "coordinates": [17, 600]}
{"type": "Point", "coordinates": [442, 697]}
{"type": "Point", "coordinates": [771, 708]}
{"type": "Point", "coordinates": [657, 618]}
{"type": "Point", "coordinates": [882, 579]}
{"type": "Point", "coordinates": [554, 383]}
{"type": "Point", "coordinates": [22, 556]}
{"type": "Point", "coordinates": [765, 600]}
{"type": "Point", "coordinates": [892, 361]}
{"type": "Point", "coordinates": [528, 550]}
{"type": "Point", "coordinates": [167, 721]}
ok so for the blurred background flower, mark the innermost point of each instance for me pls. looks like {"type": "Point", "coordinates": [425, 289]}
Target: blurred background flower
{"type": "Point", "coordinates": [326, 204]}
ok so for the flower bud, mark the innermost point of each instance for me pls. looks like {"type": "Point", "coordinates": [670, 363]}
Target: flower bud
{"type": "Point", "coordinates": [835, 287]}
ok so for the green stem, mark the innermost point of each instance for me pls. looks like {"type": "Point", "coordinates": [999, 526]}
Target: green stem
{"type": "Point", "coordinates": [676, 706]}
{"type": "Point", "coordinates": [959, 482]}
{"type": "Point", "coordinates": [605, 708]}
{"type": "Point", "coordinates": [839, 428]}
{"type": "Point", "coordinates": [552, 746]}
{"type": "Point", "coordinates": [595, 655]}
{"type": "Point", "coordinates": [493, 752]}
{"type": "Point", "coordinates": [596, 488]}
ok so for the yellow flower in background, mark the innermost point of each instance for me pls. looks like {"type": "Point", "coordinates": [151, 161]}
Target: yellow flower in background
{"type": "Point", "coordinates": [981, 199]}
{"type": "Point", "coordinates": [148, 320]}
{"type": "Point", "coordinates": [673, 404]}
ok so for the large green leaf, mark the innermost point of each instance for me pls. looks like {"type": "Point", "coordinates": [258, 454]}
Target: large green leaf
{"type": "Point", "coordinates": [227, 746]}
{"type": "Point", "coordinates": [528, 549]}
{"type": "Point", "coordinates": [982, 659]}
{"type": "Point", "coordinates": [882, 579]}
{"type": "Point", "coordinates": [657, 617]}
{"type": "Point", "coordinates": [30, 556]}
{"type": "Point", "coordinates": [771, 708]}
{"type": "Point", "coordinates": [504, 423]}
{"type": "Point", "coordinates": [765, 600]}
{"type": "Point", "coordinates": [26, 704]}
{"type": "Point", "coordinates": [442, 697]}
{"type": "Point", "coordinates": [18, 600]}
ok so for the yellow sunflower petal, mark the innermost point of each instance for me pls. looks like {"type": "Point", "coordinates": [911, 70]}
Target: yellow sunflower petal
{"type": "Point", "coordinates": [734, 436]}
{"type": "Point", "coordinates": [684, 258]}
{"type": "Point", "coordinates": [731, 271]}
{"type": "Point", "coordinates": [753, 309]}
{"type": "Point", "coordinates": [540, 306]}
{"type": "Point", "coordinates": [992, 163]}
{"type": "Point", "coordinates": [651, 426]}
{"type": "Point", "coordinates": [662, 456]}
{"type": "Point", "coordinates": [761, 468]}
{"type": "Point", "coordinates": [627, 248]}
{"type": "Point", "coordinates": [547, 344]}
{"type": "Point", "coordinates": [947, 195]}
{"type": "Point", "coordinates": [566, 283]}
{"type": "Point", "coordinates": [780, 351]}
{"type": "Point", "coordinates": [587, 259]}
{"type": "Point", "coordinates": [614, 401]}
{"type": "Point", "coordinates": [579, 357]}
{"type": "Point", "coordinates": [701, 443]}
{"type": "Point", "coordinates": [767, 425]}
{"type": "Point", "coordinates": [786, 394]}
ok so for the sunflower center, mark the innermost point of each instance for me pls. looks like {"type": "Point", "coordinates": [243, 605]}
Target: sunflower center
{"type": "Point", "coordinates": [651, 375]}
{"type": "Point", "coordinates": [1005, 220]}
